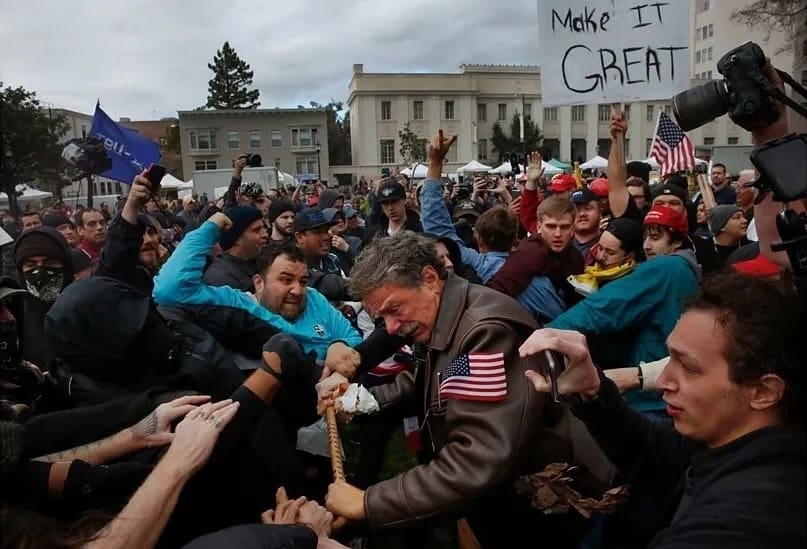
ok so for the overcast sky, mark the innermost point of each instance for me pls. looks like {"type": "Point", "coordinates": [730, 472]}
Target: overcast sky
{"type": "Point", "coordinates": [148, 58]}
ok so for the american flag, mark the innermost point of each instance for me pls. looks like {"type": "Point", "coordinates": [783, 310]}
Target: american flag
{"type": "Point", "coordinates": [671, 148]}
{"type": "Point", "coordinates": [475, 377]}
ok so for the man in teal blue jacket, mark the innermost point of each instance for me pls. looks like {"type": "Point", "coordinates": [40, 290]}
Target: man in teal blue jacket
{"type": "Point", "coordinates": [315, 327]}
{"type": "Point", "coordinates": [627, 321]}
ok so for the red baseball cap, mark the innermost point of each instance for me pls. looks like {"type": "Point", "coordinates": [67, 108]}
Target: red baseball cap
{"type": "Point", "coordinates": [759, 266]}
{"type": "Point", "coordinates": [599, 187]}
{"type": "Point", "coordinates": [562, 183]}
{"type": "Point", "coordinates": [667, 217]}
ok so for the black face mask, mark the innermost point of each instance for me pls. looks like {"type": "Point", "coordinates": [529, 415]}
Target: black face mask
{"type": "Point", "coordinates": [45, 283]}
{"type": "Point", "coordinates": [10, 354]}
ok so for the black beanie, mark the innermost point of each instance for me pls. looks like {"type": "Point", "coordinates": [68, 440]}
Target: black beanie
{"type": "Point", "coordinates": [37, 243]}
{"type": "Point", "coordinates": [638, 169]}
{"type": "Point", "coordinates": [56, 220]}
{"type": "Point", "coordinates": [629, 234]}
{"type": "Point", "coordinates": [242, 217]}
{"type": "Point", "coordinates": [279, 207]}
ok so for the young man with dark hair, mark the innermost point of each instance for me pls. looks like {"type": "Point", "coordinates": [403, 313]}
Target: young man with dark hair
{"type": "Point", "coordinates": [92, 230]}
{"type": "Point", "coordinates": [30, 220]}
{"type": "Point", "coordinates": [733, 460]}
{"type": "Point", "coordinates": [548, 253]}
{"type": "Point", "coordinates": [721, 185]}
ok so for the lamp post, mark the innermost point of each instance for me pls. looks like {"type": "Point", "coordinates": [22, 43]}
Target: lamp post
{"type": "Point", "coordinates": [318, 149]}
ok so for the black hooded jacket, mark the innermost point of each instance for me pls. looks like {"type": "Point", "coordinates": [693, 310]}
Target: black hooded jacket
{"type": "Point", "coordinates": [108, 340]}
{"type": "Point", "coordinates": [34, 310]}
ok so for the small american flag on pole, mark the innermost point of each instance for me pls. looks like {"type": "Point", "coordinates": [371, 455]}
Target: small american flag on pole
{"type": "Point", "coordinates": [477, 376]}
{"type": "Point", "coordinates": [671, 148]}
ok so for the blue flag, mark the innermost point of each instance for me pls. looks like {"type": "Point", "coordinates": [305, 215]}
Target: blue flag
{"type": "Point", "coordinates": [131, 153]}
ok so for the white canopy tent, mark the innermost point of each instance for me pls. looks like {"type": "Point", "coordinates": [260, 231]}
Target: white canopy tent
{"type": "Point", "coordinates": [171, 183]}
{"type": "Point", "coordinates": [416, 171]}
{"type": "Point", "coordinates": [28, 194]}
{"type": "Point", "coordinates": [505, 168]}
{"type": "Point", "coordinates": [596, 163]}
{"type": "Point", "coordinates": [474, 167]}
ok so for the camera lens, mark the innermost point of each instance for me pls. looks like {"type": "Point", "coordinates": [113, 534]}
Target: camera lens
{"type": "Point", "coordinates": [254, 160]}
{"type": "Point", "coordinates": [700, 105]}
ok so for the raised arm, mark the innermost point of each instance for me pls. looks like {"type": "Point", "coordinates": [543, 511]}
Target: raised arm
{"type": "Point", "coordinates": [618, 195]}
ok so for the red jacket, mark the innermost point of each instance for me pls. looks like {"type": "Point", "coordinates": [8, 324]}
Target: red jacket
{"type": "Point", "coordinates": [534, 258]}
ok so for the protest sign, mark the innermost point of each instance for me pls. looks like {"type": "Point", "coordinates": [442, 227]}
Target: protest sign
{"type": "Point", "coordinates": [610, 51]}
{"type": "Point", "coordinates": [130, 152]}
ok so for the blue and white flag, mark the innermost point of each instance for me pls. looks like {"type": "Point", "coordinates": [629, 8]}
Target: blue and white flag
{"type": "Point", "coordinates": [131, 153]}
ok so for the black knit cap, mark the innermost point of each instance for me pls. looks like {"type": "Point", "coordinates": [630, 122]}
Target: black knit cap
{"type": "Point", "coordinates": [638, 169]}
{"type": "Point", "coordinates": [242, 217]}
{"type": "Point", "coordinates": [39, 243]}
{"type": "Point", "coordinates": [278, 208]}
{"type": "Point", "coordinates": [629, 233]}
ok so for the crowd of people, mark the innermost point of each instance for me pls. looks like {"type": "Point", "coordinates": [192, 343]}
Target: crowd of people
{"type": "Point", "coordinates": [162, 360]}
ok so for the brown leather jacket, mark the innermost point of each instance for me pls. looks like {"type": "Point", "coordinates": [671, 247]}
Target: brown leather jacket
{"type": "Point", "coordinates": [480, 445]}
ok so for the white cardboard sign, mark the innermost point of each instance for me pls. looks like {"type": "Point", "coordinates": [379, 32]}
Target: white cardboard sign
{"type": "Point", "coordinates": [609, 51]}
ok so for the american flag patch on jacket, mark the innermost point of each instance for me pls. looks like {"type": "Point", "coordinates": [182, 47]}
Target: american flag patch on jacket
{"type": "Point", "coordinates": [477, 376]}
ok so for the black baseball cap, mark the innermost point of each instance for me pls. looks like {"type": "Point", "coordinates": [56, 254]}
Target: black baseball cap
{"type": "Point", "coordinates": [465, 208]}
{"type": "Point", "coordinates": [310, 218]}
{"type": "Point", "coordinates": [671, 189]}
{"type": "Point", "coordinates": [583, 196]}
{"type": "Point", "coordinates": [390, 189]}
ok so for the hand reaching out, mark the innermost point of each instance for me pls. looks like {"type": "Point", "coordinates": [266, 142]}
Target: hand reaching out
{"type": "Point", "coordinates": [618, 124]}
{"type": "Point", "coordinates": [155, 428]}
{"type": "Point", "coordinates": [196, 435]}
{"type": "Point", "coordinates": [535, 170]}
{"type": "Point", "coordinates": [439, 147]}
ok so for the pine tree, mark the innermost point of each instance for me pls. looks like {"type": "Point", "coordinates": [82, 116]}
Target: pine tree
{"type": "Point", "coordinates": [231, 78]}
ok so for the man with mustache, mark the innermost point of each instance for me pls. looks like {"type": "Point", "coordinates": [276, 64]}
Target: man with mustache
{"type": "Point", "coordinates": [478, 419]}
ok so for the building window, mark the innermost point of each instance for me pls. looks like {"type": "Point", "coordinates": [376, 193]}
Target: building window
{"type": "Point", "coordinates": [201, 165]}
{"type": "Point", "coordinates": [482, 112]}
{"type": "Point", "coordinates": [449, 111]}
{"type": "Point", "coordinates": [708, 75]}
{"type": "Point", "coordinates": [734, 140]}
{"type": "Point", "coordinates": [706, 5]}
{"type": "Point", "coordinates": [255, 139]}
{"type": "Point", "coordinates": [388, 151]}
{"type": "Point", "coordinates": [650, 113]}
{"type": "Point", "coordinates": [708, 140]}
{"type": "Point", "coordinates": [604, 147]}
{"type": "Point", "coordinates": [528, 110]}
{"type": "Point", "coordinates": [417, 110]}
{"type": "Point", "coordinates": [277, 138]}
{"type": "Point", "coordinates": [704, 31]}
{"type": "Point", "coordinates": [452, 152]}
{"type": "Point", "coordinates": [303, 137]}
{"type": "Point", "coordinates": [233, 140]}
{"type": "Point", "coordinates": [386, 110]}
{"type": "Point", "coordinates": [551, 114]}
{"type": "Point", "coordinates": [668, 110]}
{"type": "Point", "coordinates": [306, 164]}
{"type": "Point", "coordinates": [627, 112]}
{"type": "Point", "coordinates": [277, 163]}
{"type": "Point", "coordinates": [203, 140]}
{"type": "Point", "coordinates": [627, 148]}
{"type": "Point", "coordinates": [482, 149]}
{"type": "Point", "coordinates": [698, 33]}
{"type": "Point", "coordinates": [163, 141]}
{"type": "Point", "coordinates": [711, 29]}
{"type": "Point", "coordinates": [604, 113]}
{"type": "Point", "coordinates": [502, 114]}
{"type": "Point", "coordinates": [710, 53]}
{"type": "Point", "coordinates": [83, 130]}
{"type": "Point", "coordinates": [579, 113]}
{"type": "Point", "coordinates": [698, 56]}
{"type": "Point", "coordinates": [647, 144]}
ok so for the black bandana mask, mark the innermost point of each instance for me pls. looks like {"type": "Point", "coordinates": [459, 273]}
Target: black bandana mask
{"type": "Point", "coordinates": [45, 283]}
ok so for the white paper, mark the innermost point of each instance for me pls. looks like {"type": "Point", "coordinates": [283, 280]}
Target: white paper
{"type": "Point", "coordinates": [357, 399]}
{"type": "Point", "coordinates": [608, 51]}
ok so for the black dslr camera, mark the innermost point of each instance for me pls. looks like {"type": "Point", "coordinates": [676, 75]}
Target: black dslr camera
{"type": "Point", "coordinates": [88, 155]}
{"type": "Point", "coordinates": [253, 160]}
{"type": "Point", "coordinates": [744, 93]}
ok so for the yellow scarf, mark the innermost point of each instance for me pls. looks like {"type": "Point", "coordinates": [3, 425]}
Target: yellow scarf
{"type": "Point", "coordinates": [589, 281]}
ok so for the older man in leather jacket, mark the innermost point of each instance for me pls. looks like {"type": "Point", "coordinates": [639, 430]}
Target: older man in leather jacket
{"type": "Point", "coordinates": [478, 412]}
